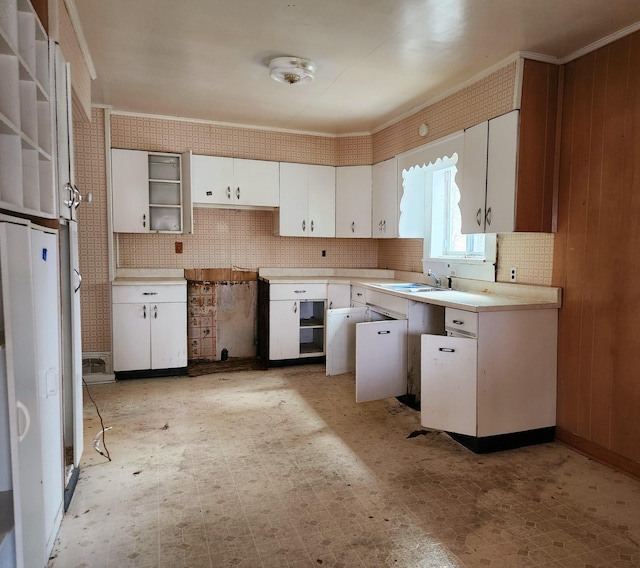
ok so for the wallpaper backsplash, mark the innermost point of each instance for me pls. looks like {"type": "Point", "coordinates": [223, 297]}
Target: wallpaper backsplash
{"type": "Point", "coordinates": [245, 239]}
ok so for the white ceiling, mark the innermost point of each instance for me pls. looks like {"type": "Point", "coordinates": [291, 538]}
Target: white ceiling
{"type": "Point", "coordinates": [376, 59]}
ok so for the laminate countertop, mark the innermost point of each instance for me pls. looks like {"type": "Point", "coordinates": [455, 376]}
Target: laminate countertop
{"type": "Point", "coordinates": [465, 294]}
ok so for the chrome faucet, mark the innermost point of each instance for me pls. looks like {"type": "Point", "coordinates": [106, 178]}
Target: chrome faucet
{"type": "Point", "coordinates": [436, 277]}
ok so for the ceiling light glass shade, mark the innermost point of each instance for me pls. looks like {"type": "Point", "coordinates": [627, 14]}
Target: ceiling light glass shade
{"type": "Point", "coordinates": [292, 70]}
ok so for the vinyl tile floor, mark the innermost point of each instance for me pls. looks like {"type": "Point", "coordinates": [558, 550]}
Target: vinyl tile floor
{"type": "Point", "coordinates": [281, 468]}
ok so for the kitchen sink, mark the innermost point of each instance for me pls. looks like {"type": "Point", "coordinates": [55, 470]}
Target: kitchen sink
{"type": "Point", "coordinates": [411, 287]}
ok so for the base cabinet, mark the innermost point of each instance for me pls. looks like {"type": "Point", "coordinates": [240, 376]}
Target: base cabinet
{"type": "Point", "coordinates": [497, 389]}
{"type": "Point", "coordinates": [149, 335]}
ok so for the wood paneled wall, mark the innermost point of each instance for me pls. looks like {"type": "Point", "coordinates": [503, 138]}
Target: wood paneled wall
{"type": "Point", "coordinates": [597, 255]}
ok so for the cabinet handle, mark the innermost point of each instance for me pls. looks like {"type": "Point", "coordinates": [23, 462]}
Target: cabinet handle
{"type": "Point", "coordinates": [27, 420]}
{"type": "Point", "coordinates": [295, 307]}
{"type": "Point", "coordinates": [479, 216]}
{"type": "Point", "coordinates": [300, 291]}
{"type": "Point", "coordinates": [312, 225]}
{"type": "Point", "coordinates": [69, 188]}
{"type": "Point", "coordinates": [155, 312]}
{"type": "Point", "coordinates": [77, 196]}
{"type": "Point", "coordinates": [358, 293]}
{"type": "Point", "coordinates": [489, 216]}
{"type": "Point", "coordinates": [144, 312]}
{"type": "Point", "coordinates": [209, 193]}
{"type": "Point", "coordinates": [331, 306]}
{"type": "Point", "coordinates": [304, 225]}
{"type": "Point", "coordinates": [144, 220]}
{"type": "Point", "coordinates": [384, 226]}
{"type": "Point", "coordinates": [238, 192]}
{"type": "Point", "coordinates": [386, 332]}
{"type": "Point", "coordinates": [353, 226]}
{"type": "Point", "coordinates": [76, 288]}
{"type": "Point", "coordinates": [446, 349]}
{"type": "Point", "coordinates": [228, 192]}
{"type": "Point", "coordinates": [380, 226]}
{"type": "Point", "coordinates": [149, 293]}
{"type": "Point", "coordinates": [458, 322]}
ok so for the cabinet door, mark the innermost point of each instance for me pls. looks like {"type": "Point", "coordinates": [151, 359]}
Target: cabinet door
{"type": "Point", "coordinates": [473, 185]}
{"type": "Point", "coordinates": [353, 201]}
{"type": "Point", "coordinates": [130, 185]}
{"type": "Point", "coordinates": [294, 200]}
{"type": "Point", "coordinates": [384, 220]}
{"type": "Point", "coordinates": [341, 339]}
{"type": "Point", "coordinates": [44, 261]}
{"type": "Point", "coordinates": [187, 199]}
{"type": "Point", "coordinates": [449, 385]}
{"type": "Point", "coordinates": [322, 201]}
{"type": "Point", "coordinates": [64, 136]}
{"type": "Point", "coordinates": [381, 359]}
{"type": "Point", "coordinates": [284, 330]}
{"type": "Point", "coordinates": [168, 335]}
{"type": "Point", "coordinates": [211, 180]}
{"type": "Point", "coordinates": [338, 296]}
{"type": "Point", "coordinates": [255, 183]}
{"type": "Point", "coordinates": [131, 337]}
{"type": "Point", "coordinates": [501, 173]}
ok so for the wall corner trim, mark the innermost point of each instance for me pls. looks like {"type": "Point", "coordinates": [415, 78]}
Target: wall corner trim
{"type": "Point", "coordinates": [82, 42]}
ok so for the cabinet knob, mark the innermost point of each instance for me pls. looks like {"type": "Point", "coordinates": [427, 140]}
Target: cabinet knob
{"type": "Point", "coordinates": [384, 226]}
{"type": "Point", "coordinates": [228, 192]}
{"type": "Point", "coordinates": [144, 312]}
{"type": "Point", "coordinates": [488, 218]}
{"type": "Point", "coordinates": [479, 216]}
{"type": "Point", "coordinates": [238, 192]}
{"type": "Point", "coordinates": [304, 225]}
{"type": "Point", "coordinates": [353, 226]}
{"type": "Point", "coordinates": [155, 312]}
{"type": "Point", "coordinates": [295, 307]}
{"type": "Point", "coordinates": [144, 220]}
{"type": "Point", "coordinates": [312, 225]}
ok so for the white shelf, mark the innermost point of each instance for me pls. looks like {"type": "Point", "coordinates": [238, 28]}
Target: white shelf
{"type": "Point", "coordinates": [26, 135]}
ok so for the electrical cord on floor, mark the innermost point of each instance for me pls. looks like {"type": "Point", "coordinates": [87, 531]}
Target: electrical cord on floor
{"type": "Point", "coordinates": [96, 440]}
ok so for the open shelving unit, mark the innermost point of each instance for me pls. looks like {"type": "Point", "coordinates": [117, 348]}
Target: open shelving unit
{"type": "Point", "coordinates": [311, 328]}
{"type": "Point", "coordinates": [26, 140]}
{"type": "Point", "coordinates": [165, 195]}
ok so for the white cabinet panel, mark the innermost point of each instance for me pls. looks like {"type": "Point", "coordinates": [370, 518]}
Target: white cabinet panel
{"type": "Point", "coordinates": [502, 161]}
{"type": "Point", "coordinates": [284, 330]}
{"type": "Point", "coordinates": [488, 188]}
{"type": "Point", "coordinates": [381, 359]}
{"type": "Point", "coordinates": [353, 202]}
{"type": "Point", "coordinates": [307, 200]}
{"type": "Point", "coordinates": [384, 221]}
{"type": "Point", "coordinates": [130, 183]}
{"type": "Point", "coordinates": [338, 296]}
{"type": "Point", "coordinates": [168, 335]}
{"type": "Point", "coordinates": [449, 371]}
{"type": "Point", "coordinates": [131, 338]}
{"type": "Point", "coordinates": [234, 182]}
{"type": "Point", "coordinates": [341, 339]}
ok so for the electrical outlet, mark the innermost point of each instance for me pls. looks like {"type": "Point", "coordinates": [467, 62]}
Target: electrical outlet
{"type": "Point", "coordinates": [324, 253]}
{"type": "Point", "coordinates": [514, 274]}
{"type": "Point", "coordinates": [178, 247]}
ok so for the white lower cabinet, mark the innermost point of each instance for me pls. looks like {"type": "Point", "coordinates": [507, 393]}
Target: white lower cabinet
{"type": "Point", "coordinates": [149, 327]}
{"type": "Point", "coordinates": [497, 388]}
{"type": "Point", "coordinates": [296, 320]}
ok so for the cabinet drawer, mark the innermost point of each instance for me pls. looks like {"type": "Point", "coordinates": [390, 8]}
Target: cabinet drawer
{"type": "Point", "coordinates": [387, 301]}
{"type": "Point", "coordinates": [358, 295]}
{"type": "Point", "coordinates": [461, 321]}
{"type": "Point", "coordinates": [299, 291]}
{"type": "Point", "coordinates": [147, 293]}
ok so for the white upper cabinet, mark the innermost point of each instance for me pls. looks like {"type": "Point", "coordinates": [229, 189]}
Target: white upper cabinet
{"type": "Point", "coordinates": [150, 192]}
{"type": "Point", "coordinates": [353, 201]}
{"type": "Point", "coordinates": [488, 190]}
{"type": "Point", "coordinates": [384, 221]}
{"type": "Point", "coordinates": [234, 182]}
{"type": "Point", "coordinates": [307, 201]}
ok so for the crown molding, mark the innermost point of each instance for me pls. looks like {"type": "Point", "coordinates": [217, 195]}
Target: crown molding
{"type": "Point", "coordinates": [72, 10]}
{"type": "Point", "coordinates": [601, 42]}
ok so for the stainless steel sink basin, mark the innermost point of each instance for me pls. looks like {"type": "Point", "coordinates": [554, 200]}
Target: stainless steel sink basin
{"type": "Point", "coordinates": [411, 287]}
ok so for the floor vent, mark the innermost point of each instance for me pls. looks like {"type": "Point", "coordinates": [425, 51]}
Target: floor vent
{"type": "Point", "coordinates": [96, 368]}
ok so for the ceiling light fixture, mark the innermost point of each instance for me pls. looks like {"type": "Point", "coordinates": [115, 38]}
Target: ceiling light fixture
{"type": "Point", "coordinates": [292, 70]}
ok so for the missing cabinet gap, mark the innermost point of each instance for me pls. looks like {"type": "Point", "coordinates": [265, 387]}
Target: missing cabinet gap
{"type": "Point", "coordinates": [178, 248]}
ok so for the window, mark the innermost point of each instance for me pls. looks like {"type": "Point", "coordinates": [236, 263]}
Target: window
{"type": "Point", "coordinates": [429, 209]}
